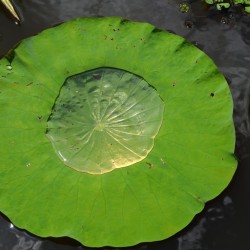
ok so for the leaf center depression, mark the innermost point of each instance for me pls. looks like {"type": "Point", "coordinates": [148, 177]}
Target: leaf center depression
{"type": "Point", "coordinates": [104, 119]}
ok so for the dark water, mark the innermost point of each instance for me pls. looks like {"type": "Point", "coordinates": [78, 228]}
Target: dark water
{"type": "Point", "coordinates": [225, 36]}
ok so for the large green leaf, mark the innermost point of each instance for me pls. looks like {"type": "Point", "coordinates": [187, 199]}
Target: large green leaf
{"type": "Point", "coordinates": [190, 163]}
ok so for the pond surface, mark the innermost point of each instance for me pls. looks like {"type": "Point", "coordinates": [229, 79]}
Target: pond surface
{"type": "Point", "coordinates": [225, 37]}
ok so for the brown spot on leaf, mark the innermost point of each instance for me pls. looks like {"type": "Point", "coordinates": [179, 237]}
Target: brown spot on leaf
{"type": "Point", "coordinates": [150, 165]}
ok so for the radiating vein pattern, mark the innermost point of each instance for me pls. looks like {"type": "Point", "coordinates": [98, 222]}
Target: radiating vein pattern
{"type": "Point", "coordinates": [104, 119]}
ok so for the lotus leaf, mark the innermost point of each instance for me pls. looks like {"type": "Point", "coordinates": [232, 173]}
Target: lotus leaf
{"type": "Point", "coordinates": [168, 166]}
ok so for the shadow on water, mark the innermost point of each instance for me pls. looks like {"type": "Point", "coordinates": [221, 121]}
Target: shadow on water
{"type": "Point", "coordinates": [225, 37]}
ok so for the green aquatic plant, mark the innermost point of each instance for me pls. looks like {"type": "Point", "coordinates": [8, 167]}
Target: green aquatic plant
{"type": "Point", "coordinates": [149, 111]}
{"type": "Point", "coordinates": [184, 7]}
{"type": "Point", "coordinates": [227, 3]}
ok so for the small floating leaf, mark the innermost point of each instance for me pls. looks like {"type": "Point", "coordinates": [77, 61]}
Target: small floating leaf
{"type": "Point", "coordinates": [159, 113]}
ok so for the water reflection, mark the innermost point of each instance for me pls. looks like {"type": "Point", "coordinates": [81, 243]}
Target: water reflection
{"type": "Point", "coordinates": [24, 244]}
{"type": "Point", "coordinates": [193, 239]}
{"type": "Point", "coordinates": [199, 235]}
